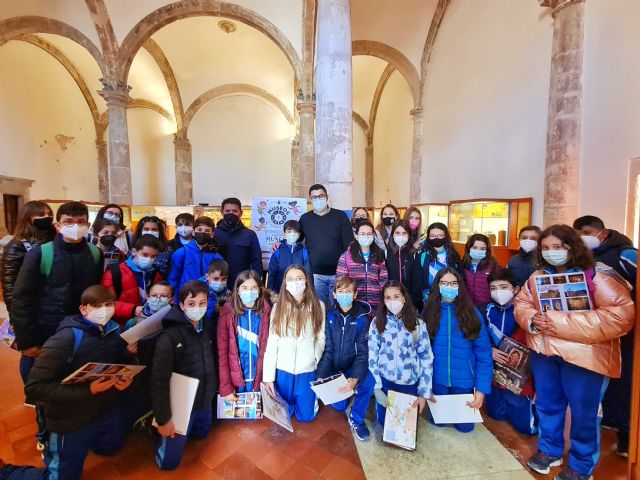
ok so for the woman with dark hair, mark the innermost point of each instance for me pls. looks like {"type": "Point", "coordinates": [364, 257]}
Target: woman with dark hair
{"type": "Point", "coordinates": [574, 352]}
{"type": "Point", "coordinates": [478, 263]}
{"type": "Point", "coordinates": [114, 213]}
{"type": "Point", "coordinates": [400, 357]}
{"type": "Point", "coordinates": [359, 215]}
{"type": "Point", "coordinates": [463, 362]}
{"type": "Point", "coordinates": [436, 252]}
{"type": "Point", "coordinates": [414, 216]}
{"type": "Point", "coordinates": [34, 227]}
{"type": "Point", "coordinates": [154, 226]}
{"type": "Point", "coordinates": [388, 216]}
{"type": "Point", "coordinates": [400, 254]}
{"type": "Point", "coordinates": [364, 262]}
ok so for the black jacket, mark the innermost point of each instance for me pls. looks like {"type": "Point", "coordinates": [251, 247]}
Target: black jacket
{"type": "Point", "coordinates": [191, 355]}
{"type": "Point", "coordinates": [39, 302]}
{"type": "Point", "coordinates": [420, 272]}
{"type": "Point", "coordinates": [401, 264]}
{"type": "Point", "coordinates": [68, 408]}
{"type": "Point", "coordinates": [522, 266]}
{"type": "Point", "coordinates": [240, 247]}
{"type": "Point", "coordinates": [12, 258]}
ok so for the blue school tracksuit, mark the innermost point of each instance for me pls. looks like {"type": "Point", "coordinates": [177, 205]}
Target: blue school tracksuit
{"type": "Point", "coordinates": [346, 351]}
{"type": "Point", "coordinates": [503, 404]}
{"type": "Point", "coordinates": [248, 332]}
{"type": "Point", "coordinates": [460, 365]}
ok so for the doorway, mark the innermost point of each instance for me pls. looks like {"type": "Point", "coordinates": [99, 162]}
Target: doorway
{"type": "Point", "coordinates": [11, 206]}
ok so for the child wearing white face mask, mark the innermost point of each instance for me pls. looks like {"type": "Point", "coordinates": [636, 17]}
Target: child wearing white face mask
{"type": "Point", "coordinates": [400, 357]}
{"type": "Point", "coordinates": [78, 417]}
{"type": "Point", "coordinates": [296, 343]}
{"type": "Point", "coordinates": [523, 264]}
{"type": "Point", "coordinates": [503, 404]}
{"type": "Point", "coordinates": [401, 255]}
{"type": "Point", "coordinates": [290, 252]}
{"type": "Point", "coordinates": [184, 346]}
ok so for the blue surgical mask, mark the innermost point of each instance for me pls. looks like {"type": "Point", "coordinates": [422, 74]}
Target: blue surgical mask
{"type": "Point", "coordinates": [292, 237]}
{"type": "Point", "coordinates": [112, 217]}
{"type": "Point", "coordinates": [448, 293]}
{"type": "Point", "coordinates": [319, 204]}
{"type": "Point", "coordinates": [248, 297]}
{"type": "Point", "coordinates": [477, 254]}
{"type": "Point", "coordinates": [345, 300]}
{"type": "Point", "coordinates": [157, 303]}
{"type": "Point", "coordinates": [144, 263]}
{"type": "Point", "coordinates": [556, 258]}
{"type": "Point", "coordinates": [217, 286]}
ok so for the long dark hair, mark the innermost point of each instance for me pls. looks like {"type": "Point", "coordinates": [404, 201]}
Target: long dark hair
{"type": "Point", "coordinates": [355, 250]}
{"type": "Point", "coordinates": [487, 261]}
{"type": "Point", "coordinates": [381, 229]}
{"type": "Point", "coordinates": [238, 306]}
{"type": "Point", "coordinates": [25, 230]}
{"type": "Point", "coordinates": [392, 243]}
{"type": "Point", "coordinates": [579, 255]}
{"type": "Point", "coordinates": [102, 211]}
{"type": "Point", "coordinates": [452, 255]}
{"type": "Point", "coordinates": [161, 227]}
{"type": "Point", "coordinates": [414, 236]}
{"type": "Point", "coordinates": [466, 313]}
{"type": "Point", "coordinates": [408, 313]}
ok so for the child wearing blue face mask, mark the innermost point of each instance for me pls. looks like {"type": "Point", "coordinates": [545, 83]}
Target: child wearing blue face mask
{"type": "Point", "coordinates": [460, 342]}
{"type": "Point", "coordinates": [242, 336]}
{"type": "Point", "coordinates": [216, 277]}
{"type": "Point", "coordinates": [346, 352]}
{"type": "Point", "coordinates": [478, 263]}
{"type": "Point", "coordinates": [160, 295]}
{"type": "Point", "coordinates": [290, 252]}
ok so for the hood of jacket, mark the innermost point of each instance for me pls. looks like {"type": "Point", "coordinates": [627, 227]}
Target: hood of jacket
{"type": "Point", "coordinates": [615, 240]}
{"type": "Point", "coordinates": [358, 309]}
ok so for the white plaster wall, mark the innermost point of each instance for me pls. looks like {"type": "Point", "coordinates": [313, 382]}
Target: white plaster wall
{"type": "Point", "coordinates": [151, 149]}
{"type": "Point", "coordinates": [486, 103]}
{"type": "Point", "coordinates": [392, 143]}
{"type": "Point", "coordinates": [241, 147]}
{"type": "Point", "coordinates": [40, 100]}
{"type": "Point", "coordinates": [611, 107]}
{"type": "Point", "coordinates": [359, 156]}
{"type": "Point", "coordinates": [147, 81]}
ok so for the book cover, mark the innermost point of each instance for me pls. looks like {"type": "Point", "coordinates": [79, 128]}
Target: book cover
{"type": "Point", "coordinates": [248, 407]}
{"type": "Point", "coordinates": [93, 371]}
{"type": "Point", "coordinates": [7, 336]}
{"type": "Point", "coordinates": [563, 292]}
{"type": "Point", "coordinates": [514, 373]}
{"type": "Point", "coordinates": [276, 409]}
{"type": "Point", "coordinates": [401, 420]}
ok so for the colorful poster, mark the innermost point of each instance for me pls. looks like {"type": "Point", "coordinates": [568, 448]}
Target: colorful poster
{"type": "Point", "coordinates": [401, 420]}
{"type": "Point", "coordinates": [269, 214]}
{"type": "Point", "coordinates": [93, 371]}
{"type": "Point", "coordinates": [515, 371]}
{"type": "Point", "coordinates": [248, 407]}
{"type": "Point", "coordinates": [563, 292]}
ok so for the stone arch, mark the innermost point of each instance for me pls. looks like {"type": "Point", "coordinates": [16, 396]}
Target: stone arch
{"type": "Point", "coordinates": [150, 105]}
{"type": "Point", "coordinates": [182, 10]}
{"type": "Point", "coordinates": [231, 90]}
{"type": "Point", "coordinates": [16, 27]}
{"type": "Point", "coordinates": [362, 123]}
{"type": "Point", "coordinates": [396, 59]}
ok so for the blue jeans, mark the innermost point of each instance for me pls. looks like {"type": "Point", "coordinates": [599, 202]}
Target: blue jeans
{"type": "Point", "coordinates": [444, 390]}
{"type": "Point", "coordinates": [170, 450]}
{"type": "Point", "coordinates": [558, 384]}
{"type": "Point", "coordinates": [364, 391]}
{"type": "Point", "coordinates": [25, 366]}
{"type": "Point", "coordinates": [324, 288]}
{"type": "Point", "coordinates": [381, 411]}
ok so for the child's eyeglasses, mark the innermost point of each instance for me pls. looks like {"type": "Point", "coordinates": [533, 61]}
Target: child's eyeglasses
{"type": "Point", "coordinates": [449, 284]}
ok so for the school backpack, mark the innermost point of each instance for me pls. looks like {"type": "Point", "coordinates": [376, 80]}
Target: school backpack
{"type": "Point", "coordinates": [116, 278]}
{"type": "Point", "coordinates": [46, 259]}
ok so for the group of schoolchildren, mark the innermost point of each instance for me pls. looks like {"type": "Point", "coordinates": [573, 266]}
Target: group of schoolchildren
{"type": "Point", "coordinates": [407, 314]}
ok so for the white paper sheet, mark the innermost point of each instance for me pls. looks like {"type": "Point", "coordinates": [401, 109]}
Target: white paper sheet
{"type": "Point", "coordinates": [146, 327]}
{"type": "Point", "coordinates": [328, 391]}
{"type": "Point", "coordinates": [454, 409]}
{"type": "Point", "coordinates": [183, 393]}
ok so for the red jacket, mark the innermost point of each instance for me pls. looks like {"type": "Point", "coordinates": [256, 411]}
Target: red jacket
{"type": "Point", "coordinates": [478, 285]}
{"type": "Point", "coordinates": [129, 299]}
{"type": "Point", "coordinates": [229, 358]}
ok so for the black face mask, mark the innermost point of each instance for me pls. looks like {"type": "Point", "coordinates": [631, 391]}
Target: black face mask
{"type": "Point", "coordinates": [231, 219]}
{"type": "Point", "coordinates": [202, 238]}
{"type": "Point", "coordinates": [44, 223]}
{"type": "Point", "coordinates": [357, 221]}
{"type": "Point", "coordinates": [437, 242]}
{"type": "Point", "coordinates": [108, 240]}
{"type": "Point", "coordinates": [388, 221]}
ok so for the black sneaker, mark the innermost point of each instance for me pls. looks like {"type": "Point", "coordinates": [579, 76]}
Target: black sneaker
{"type": "Point", "coordinates": [360, 430]}
{"type": "Point", "coordinates": [542, 463]}
{"type": "Point", "coordinates": [570, 474]}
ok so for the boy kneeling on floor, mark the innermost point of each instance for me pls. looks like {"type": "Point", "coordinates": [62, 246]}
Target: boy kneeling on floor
{"type": "Point", "coordinates": [78, 417]}
{"type": "Point", "coordinates": [346, 351]}
{"type": "Point", "coordinates": [184, 346]}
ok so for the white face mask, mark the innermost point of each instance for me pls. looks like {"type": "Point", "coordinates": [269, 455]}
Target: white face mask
{"type": "Point", "coordinates": [502, 297]}
{"type": "Point", "coordinates": [591, 241]}
{"type": "Point", "coordinates": [394, 306]}
{"type": "Point", "coordinates": [556, 257]}
{"type": "Point", "coordinates": [185, 230]}
{"type": "Point", "coordinates": [195, 313]}
{"type": "Point", "coordinates": [296, 288]}
{"type": "Point", "coordinates": [292, 237]}
{"type": "Point", "coordinates": [74, 232]}
{"type": "Point", "coordinates": [401, 240]}
{"type": "Point", "coordinates": [528, 245]}
{"type": "Point", "coordinates": [101, 315]}
{"type": "Point", "coordinates": [155, 233]}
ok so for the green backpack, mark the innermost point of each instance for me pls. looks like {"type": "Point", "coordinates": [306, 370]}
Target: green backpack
{"type": "Point", "coordinates": [46, 260]}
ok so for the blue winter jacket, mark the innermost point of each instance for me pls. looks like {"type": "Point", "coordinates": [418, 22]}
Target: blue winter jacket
{"type": "Point", "coordinates": [522, 265]}
{"type": "Point", "coordinates": [459, 362]}
{"type": "Point", "coordinates": [190, 263]}
{"type": "Point", "coordinates": [282, 258]}
{"type": "Point", "coordinates": [501, 321]}
{"type": "Point", "coordinates": [240, 247]}
{"type": "Point", "coordinates": [214, 299]}
{"type": "Point", "coordinates": [346, 342]}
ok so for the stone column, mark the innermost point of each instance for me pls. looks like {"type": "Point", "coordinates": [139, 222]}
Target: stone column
{"type": "Point", "coordinates": [562, 166]}
{"type": "Point", "coordinates": [368, 175]}
{"type": "Point", "coordinates": [184, 174]}
{"type": "Point", "coordinates": [303, 170]}
{"type": "Point", "coordinates": [334, 101]}
{"type": "Point", "coordinates": [103, 171]}
{"type": "Point", "coordinates": [117, 99]}
{"type": "Point", "coordinates": [415, 182]}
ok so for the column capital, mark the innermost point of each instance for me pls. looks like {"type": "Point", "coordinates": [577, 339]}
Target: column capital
{"type": "Point", "coordinates": [306, 106]}
{"type": "Point", "coordinates": [115, 97]}
{"type": "Point", "coordinates": [558, 5]}
{"type": "Point", "coordinates": [416, 112]}
{"type": "Point", "coordinates": [180, 139]}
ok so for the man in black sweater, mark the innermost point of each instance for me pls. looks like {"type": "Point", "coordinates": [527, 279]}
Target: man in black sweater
{"type": "Point", "coordinates": [327, 234]}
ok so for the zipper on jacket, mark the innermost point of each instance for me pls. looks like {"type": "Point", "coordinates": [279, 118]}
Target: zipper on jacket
{"type": "Point", "coordinates": [344, 322]}
{"type": "Point", "coordinates": [400, 263]}
{"type": "Point", "coordinates": [449, 346]}
{"type": "Point", "coordinates": [250, 330]}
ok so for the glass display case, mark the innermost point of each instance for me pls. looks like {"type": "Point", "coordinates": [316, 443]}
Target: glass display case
{"type": "Point", "coordinates": [93, 209]}
{"type": "Point", "coordinates": [432, 213]}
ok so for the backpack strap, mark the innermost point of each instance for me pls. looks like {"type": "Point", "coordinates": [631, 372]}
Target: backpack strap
{"type": "Point", "coordinates": [46, 258]}
{"type": "Point", "coordinates": [95, 253]}
{"type": "Point", "coordinates": [78, 334]}
{"type": "Point", "coordinates": [116, 278]}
